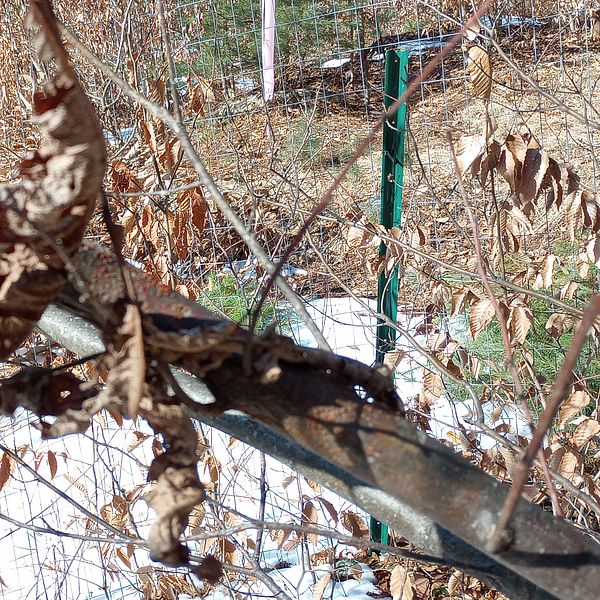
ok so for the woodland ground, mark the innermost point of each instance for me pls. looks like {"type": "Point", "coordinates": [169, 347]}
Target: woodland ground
{"type": "Point", "coordinates": [308, 145]}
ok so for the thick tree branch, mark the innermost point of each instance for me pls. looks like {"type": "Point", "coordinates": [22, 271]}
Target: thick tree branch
{"type": "Point", "coordinates": [379, 451]}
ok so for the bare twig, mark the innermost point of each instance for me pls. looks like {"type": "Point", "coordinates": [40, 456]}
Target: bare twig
{"type": "Point", "coordinates": [74, 536]}
{"type": "Point", "coordinates": [326, 532]}
{"type": "Point", "coordinates": [406, 335]}
{"type": "Point", "coordinates": [14, 456]}
{"type": "Point", "coordinates": [160, 112]}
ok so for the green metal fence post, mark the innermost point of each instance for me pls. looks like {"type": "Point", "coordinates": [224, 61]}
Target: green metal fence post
{"type": "Point", "coordinates": [392, 175]}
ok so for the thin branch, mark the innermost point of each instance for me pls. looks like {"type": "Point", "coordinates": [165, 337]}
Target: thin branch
{"type": "Point", "coordinates": [75, 536]}
{"type": "Point", "coordinates": [496, 279]}
{"type": "Point", "coordinates": [167, 192]}
{"type": "Point", "coordinates": [332, 534]}
{"type": "Point", "coordinates": [490, 38]}
{"type": "Point", "coordinates": [406, 335]}
{"type": "Point", "coordinates": [14, 456]}
{"type": "Point", "coordinates": [327, 196]}
{"type": "Point", "coordinates": [501, 536]}
{"type": "Point", "coordinates": [166, 40]}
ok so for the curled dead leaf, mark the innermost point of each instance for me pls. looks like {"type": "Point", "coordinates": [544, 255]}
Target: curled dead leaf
{"type": "Point", "coordinates": [558, 324]}
{"type": "Point", "coordinates": [479, 68]}
{"type": "Point", "coordinates": [576, 401]}
{"type": "Point", "coordinates": [585, 431]}
{"type": "Point", "coordinates": [319, 587]}
{"type": "Point", "coordinates": [480, 316]}
{"type": "Point", "coordinates": [354, 523]}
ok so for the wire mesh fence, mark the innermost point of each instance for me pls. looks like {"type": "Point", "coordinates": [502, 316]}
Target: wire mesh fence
{"type": "Point", "coordinates": [273, 161]}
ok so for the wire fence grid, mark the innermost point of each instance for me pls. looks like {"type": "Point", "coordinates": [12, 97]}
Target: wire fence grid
{"type": "Point", "coordinates": [273, 161]}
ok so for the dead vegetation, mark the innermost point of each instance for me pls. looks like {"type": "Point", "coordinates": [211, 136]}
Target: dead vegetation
{"type": "Point", "coordinates": [272, 167]}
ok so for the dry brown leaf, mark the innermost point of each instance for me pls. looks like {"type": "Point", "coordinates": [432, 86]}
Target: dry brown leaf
{"type": "Point", "coordinates": [546, 273]}
{"type": "Point", "coordinates": [214, 468]}
{"type": "Point", "coordinates": [52, 463]}
{"type": "Point", "coordinates": [507, 166]}
{"type": "Point", "coordinates": [320, 586]}
{"type": "Point", "coordinates": [552, 182]}
{"type": "Point", "coordinates": [228, 548]}
{"type": "Point", "coordinates": [189, 220]}
{"type": "Point", "coordinates": [461, 298]}
{"type": "Point", "coordinates": [149, 133]}
{"type": "Point", "coordinates": [328, 506]}
{"type": "Point", "coordinates": [354, 523]}
{"type": "Point", "coordinates": [480, 316]}
{"type": "Point", "coordinates": [554, 454]}
{"type": "Point", "coordinates": [287, 480]}
{"type": "Point", "coordinates": [433, 386]}
{"type": "Point", "coordinates": [454, 582]}
{"type": "Point", "coordinates": [393, 358]}
{"type": "Point", "coordinates": [5, 470]}
{"type": "Point", "coordinates": [123, 557]}
{"type": "Point", "coordinates": [78, 485]}
{"type": "Point", "coordinates": [571, 209]}
{"type": "Point", "coordinates": [201, 95]}
{"type": "Point", "coordinates": [356, 237]}
{"type": "Point", "coordinates": [196, 517]}
{"type": "Point", "coordinates": [572, 405]}
{"type": "Point", "coordinates": [517, 145]}
{"type": "Point", "coordinates": [140, 438]}
{"type": "Point", "coordinates": [401, 583]}
{"type": "Point", "coordinates": [134, 360]}
{"type": "Point", "coordinates": [591, 210]}
{"type": "Point", "coordinates": [532, 175]}
{"type": "Point", "coordinates": [490, 161]}
{"type": "Point", "coordinates": [469, 151]}
{"type": "Point", "coordinates": [569, 463]}
{"type": "Point", "coordinates": [568, 290]}
{"type": "Point", "coordinates": [281, 536]}
{"type": "Point", "coordinates": [522, 221]}
{"type": "Point", "coordinates": [309, 517]}
{"type": "Point", "coordinates": [583, 264]}
{"type": "Point", "coordinates": [558, 324]}
{"type": "Point", "coordinates": [479, 67]}
{"type": "Point", "coordinates": [584, 432]}
{"type": "Point", "coordinates": [519, 321]}
{"type": "Point", "coordinates": [593, 250]}
{"type": "Point", "coordinates": [291, 544]}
